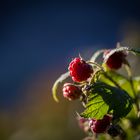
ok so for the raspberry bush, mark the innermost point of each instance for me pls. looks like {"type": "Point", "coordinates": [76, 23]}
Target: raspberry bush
{"type": "Point", "coordinates": [110, 99]}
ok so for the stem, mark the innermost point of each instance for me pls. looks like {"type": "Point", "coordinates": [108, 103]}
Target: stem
{"type": "Point", "coordinates": [128, 69]}
{"type": "Point", "coordinates": [84, 100]}
{"type": "Point", "coordinates": [94, 63]}
{"type": "Point", "coordinates": [96, 55]}
{"type": "Point", "coordinates": [94, 75]}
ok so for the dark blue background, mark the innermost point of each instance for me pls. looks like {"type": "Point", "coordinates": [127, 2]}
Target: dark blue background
{"type": "Point", "coordinates": [36, 35]}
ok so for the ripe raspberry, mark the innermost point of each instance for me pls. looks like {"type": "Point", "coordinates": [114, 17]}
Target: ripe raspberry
{"type": "Point", "coordinates": [116, 60]}
{"type": "Point", "coordinates": [80, 70]}
{"type": "Point", "coordinates": [71, 92]}
{"type": "Point", "coordinates": [100, 126]}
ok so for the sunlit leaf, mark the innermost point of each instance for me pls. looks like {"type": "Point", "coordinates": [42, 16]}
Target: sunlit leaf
{"type": "Point", "coordinates": [104, 99]}
{"type": "Point", "coordinates": [136, 82]}
{"type": "Point", "coordinates": [122, 81]}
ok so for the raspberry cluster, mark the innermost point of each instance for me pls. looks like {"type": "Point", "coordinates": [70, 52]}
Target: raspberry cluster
{"type": "Point", "coordinates": [82, 72]}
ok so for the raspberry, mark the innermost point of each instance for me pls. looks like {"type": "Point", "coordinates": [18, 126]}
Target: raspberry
{"type": "Point", "coordinates": [80, 70]}
{"type": "Point", "coordinates": [71, 92]}
{"type": "Point", "coordinates": [116, 60]}
{"type": "Point", "coordinates": [100, 126]}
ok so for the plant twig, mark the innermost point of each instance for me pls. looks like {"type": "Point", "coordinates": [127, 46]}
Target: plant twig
{"type": "Point", "coordinates": [128, 69]}
{"type": "Point", "coordinates": [97, 65]}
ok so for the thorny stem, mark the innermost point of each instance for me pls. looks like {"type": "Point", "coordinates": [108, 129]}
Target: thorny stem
{"type": "Point", "coordinates": [128, 69]}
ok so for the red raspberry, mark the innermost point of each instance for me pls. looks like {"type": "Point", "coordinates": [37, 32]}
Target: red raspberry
{"type": "Point", "coordinates": [100, 126]}
{"type": "Point", "coordinates": [80, 70]}
{"type": "Point", "coordinates": [71, 92]}
{"type": "Point", "coordinates": [116, 60]}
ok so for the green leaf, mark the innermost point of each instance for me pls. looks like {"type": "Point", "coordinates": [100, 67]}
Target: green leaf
{"type": "Point", "coordinates": [136, 82]}
{"type": "Point", "coordinates": [122, 81]}
{"type": "Point", "coordinates": [56, 84]}
{"type": "Point", "coordinates": [135, 50]}
{"type": "Point", "coordinates": [105, 99]}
